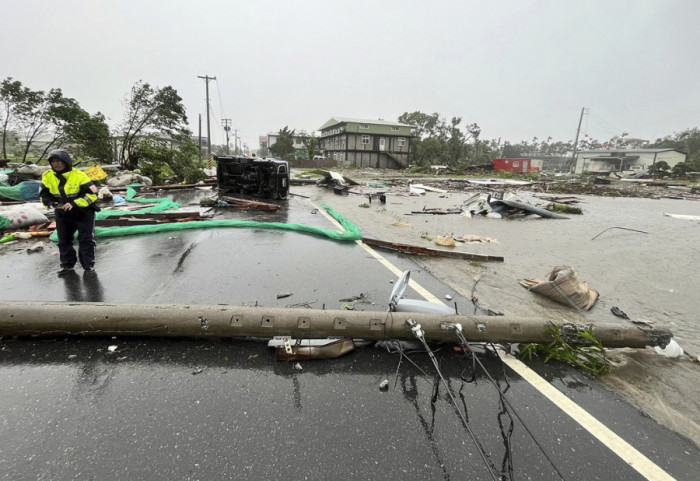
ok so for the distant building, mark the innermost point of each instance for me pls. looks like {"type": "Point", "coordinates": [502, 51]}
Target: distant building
{"type": "Point", "coordinates": [636, 160]}
{"type": "Point", "coordinates": [522, 166]}
{"type": "Point", "coordinates": [274, 136]}
{"type": "Point", "coordinates": [366, 143]}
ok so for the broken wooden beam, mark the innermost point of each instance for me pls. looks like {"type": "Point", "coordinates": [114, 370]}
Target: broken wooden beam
{"type": "Point", "coordinates": [250, 204]}
{"type": "Point", "coordinates": [426, 251]}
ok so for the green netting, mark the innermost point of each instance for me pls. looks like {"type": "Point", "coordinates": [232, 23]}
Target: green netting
{"type": "Point", "coordinates": [4, 222]}
{"type": "Point", "coordinates": [24, 191]}
{"type": "Point", "coordinates": [351, 233]}
{"type": "Point", "coordinates": [162, 205]}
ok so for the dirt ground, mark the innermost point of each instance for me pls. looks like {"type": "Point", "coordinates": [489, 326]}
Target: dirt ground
{"type": "Point", "coordinates": [627, 267]}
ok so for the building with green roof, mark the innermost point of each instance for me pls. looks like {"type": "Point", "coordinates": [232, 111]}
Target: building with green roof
{"type": "Point", "coordinates": [367, 143]}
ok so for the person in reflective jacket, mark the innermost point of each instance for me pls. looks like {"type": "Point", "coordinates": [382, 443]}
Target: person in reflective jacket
{"type": "Point", "coordinates": [73, 196]}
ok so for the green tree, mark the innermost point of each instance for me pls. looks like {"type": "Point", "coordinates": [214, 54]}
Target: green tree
{"type": "Point", "coordinates": [310, 144]}
{"type": "Point", "coordinates": [161, 163]}
{"type": "Point", "coordinates": [150, 112]}
{"type": "Point", "coordinates": [51, 120]}
{"type": "Point", "coordinates": [659, 168]}
{"type": "Point", "coordinates": [284, 147]}
{"type": "Point", "coordinates": [90, 136]}
{"type": "Point", "coordinates": [16, 104]}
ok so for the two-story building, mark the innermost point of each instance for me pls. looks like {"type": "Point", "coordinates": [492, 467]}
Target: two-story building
{"type": "Point", "coordinates": [617, 160]}
{"type": "Point", "coordinates": [366, 143]}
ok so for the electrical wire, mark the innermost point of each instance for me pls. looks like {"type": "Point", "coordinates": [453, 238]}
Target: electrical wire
{"type": "Point", "coordinates": [465, 344]}
{"type": "Point", "coordinates": [420, 335]}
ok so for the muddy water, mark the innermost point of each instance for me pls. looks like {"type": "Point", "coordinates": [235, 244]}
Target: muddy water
{"type": "Point", "coordinates": [652, 276]}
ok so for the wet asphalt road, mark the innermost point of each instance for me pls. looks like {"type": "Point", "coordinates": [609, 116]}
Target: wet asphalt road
{"type": "Point", "coordinates": [224, 409]}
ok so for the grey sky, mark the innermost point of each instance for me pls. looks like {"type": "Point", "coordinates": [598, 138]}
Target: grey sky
{"type": "Point", "coordinates": [518, 68]}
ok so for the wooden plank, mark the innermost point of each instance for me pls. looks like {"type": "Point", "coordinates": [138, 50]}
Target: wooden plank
{"type": "Point", "coordinates": [426, 251]}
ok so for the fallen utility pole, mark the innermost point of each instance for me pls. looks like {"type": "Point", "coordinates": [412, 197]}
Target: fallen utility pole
{"type": "Point", "coordinates": [105, 319]}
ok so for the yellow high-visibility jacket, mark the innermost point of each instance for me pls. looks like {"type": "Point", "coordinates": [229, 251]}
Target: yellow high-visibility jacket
{"type": "Point", "coordinates": [73, 186]}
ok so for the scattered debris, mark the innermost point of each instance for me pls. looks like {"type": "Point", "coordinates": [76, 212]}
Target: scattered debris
{"type": "Point", "coordinates": [564, 209]}
{"type": "Point", "coordinates": [401, 224]}
{"type": "Point", "coordinates": [425, 251]}
{"type": "Point", "coordinates": [471, 239]}
{"type": "Point", "coordinates": [672, 350]}
{"type": "Point", "coordinates": [682, 216]}
{"type": "Point", "coordinates": [619, 312]}
{"type": "Point", "coordinates": [362, 296]}
{"type": "Point", "coordinates": [446, 241]}
{"type": "Point", "coordinates": [288, 349]}
{"type": "Point", "coordinates": [282, 295]}
{"type": "Point", "coordinates": [112, 348]}
{"type": "Point", "coordinates": [416, 190]}
{"type": "Point", "coordinates": [250, 204]}
{"type": "Point", "coordinates": [426, 188]}
{"type": "Point", "coordinates": [384, 385]}
{"type": "Point", "coordinates": [565, 287]}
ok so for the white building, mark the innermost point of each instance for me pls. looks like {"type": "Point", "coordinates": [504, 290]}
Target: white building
{"type": "Point", "coordinates": [636, 160]}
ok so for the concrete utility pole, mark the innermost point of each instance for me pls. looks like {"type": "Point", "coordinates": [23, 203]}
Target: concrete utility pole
{"type": "Point", "coordinates": [206, 79]}
{"type": "Point", "coordinates": [227, 128]}
{"type": "Point", "coordinates": [200, 136]}
{"type": "Point", "coordinates": [578, 131]}
{"type": "Point", "coordinates": [235, 141]}
{"type": "Point", "coordinates": [27, 318]}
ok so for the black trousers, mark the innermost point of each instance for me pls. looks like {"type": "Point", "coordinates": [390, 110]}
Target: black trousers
{"type": "Point", "coordinates": [67, 224]}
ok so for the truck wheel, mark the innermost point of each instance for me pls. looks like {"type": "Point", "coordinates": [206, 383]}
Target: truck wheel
{"type": "Point", "coordinates": [282, 187]}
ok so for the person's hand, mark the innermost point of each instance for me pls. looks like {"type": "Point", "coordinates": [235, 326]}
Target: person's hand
{"type": "Point", "coordinates": [67, 206]}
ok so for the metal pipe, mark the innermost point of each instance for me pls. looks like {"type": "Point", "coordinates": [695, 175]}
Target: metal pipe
{"type": "Point", "coordinates": [19, 318]}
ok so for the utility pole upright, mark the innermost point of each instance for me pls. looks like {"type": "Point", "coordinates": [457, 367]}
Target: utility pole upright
{"type": "Point", "coordinates": [227, 128]}
{"type": "Point", "coordinates": [206, 79]}
{"type": "Point", "coordinates": [235, 140]}
{"type": "Point", "coordinates": [200, 136]}
{"type": "Point", "coordinates": [578, 131]}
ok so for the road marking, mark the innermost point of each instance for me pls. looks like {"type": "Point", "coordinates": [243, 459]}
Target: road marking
{"type": "Point", "coordinates": [612, 441]}
{"type": "Point", "coordinates": [602, 433]}
{"type": "Point", "coordinates": [413, 284]}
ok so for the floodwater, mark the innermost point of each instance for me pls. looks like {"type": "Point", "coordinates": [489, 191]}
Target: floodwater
{"type": "Point", "coordinates": [651, 276]}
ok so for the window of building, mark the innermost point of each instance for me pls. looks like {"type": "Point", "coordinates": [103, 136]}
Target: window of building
{"type": "Point", "coordinates": [364, 126]}
{"type": "Point", "coordinates": [516, 164]}
{"type": "Point", "coordinates": [401, 141]}
{"type": "Point", "coordinates": [395, 129]}
{"type": "Point", "coordinates": [365, 140]}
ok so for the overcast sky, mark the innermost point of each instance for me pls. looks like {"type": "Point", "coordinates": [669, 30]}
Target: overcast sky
{"type": "Point", "coordinates": [517, 68]}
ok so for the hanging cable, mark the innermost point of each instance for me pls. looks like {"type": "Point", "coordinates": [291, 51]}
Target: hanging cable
{"type": "Point", "coordinates": [465, 344]}
{"type": "Point", "coordinates": [419, 334]}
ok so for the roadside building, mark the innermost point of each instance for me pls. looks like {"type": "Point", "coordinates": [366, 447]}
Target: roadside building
{"type": "Point", "coordinates": [366, 143]}
{"type": "Point", "coordinates": [522, 166]}
{"type": "Point", "coordinates": [273, 137]}
{"type": "Point", "coordinates": [616, 160]}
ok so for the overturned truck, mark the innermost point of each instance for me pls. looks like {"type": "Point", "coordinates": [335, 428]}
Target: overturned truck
{"type": "Point", "coordinates": [265, 178]}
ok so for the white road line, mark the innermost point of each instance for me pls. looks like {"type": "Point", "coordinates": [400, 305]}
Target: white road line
{"type": "Point", "coordinates": [615, 443]}
{"type": "Point", "coordinates": [607, 437]}
{"type": "Point", "coordinates": [413, 284]}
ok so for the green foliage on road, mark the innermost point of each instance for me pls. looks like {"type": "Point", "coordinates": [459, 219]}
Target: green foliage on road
{"type": "Point", "coordinates": [588, 355]}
